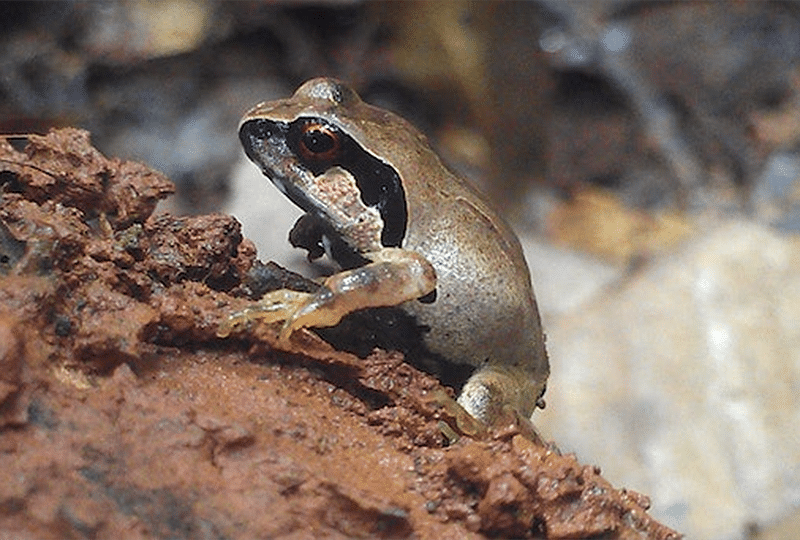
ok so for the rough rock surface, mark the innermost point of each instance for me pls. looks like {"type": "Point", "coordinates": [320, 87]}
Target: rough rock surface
{"type": "Point", "coordinates": [122, 414]}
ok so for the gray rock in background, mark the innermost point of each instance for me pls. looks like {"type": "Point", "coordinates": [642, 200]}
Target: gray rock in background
{"type": "Point", "coordinates": [683, 383]}
{"type": "Point", "coordinates": [564, 280]}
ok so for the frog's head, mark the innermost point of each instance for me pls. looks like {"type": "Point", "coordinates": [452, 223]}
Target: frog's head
{"type": "Point", "coordinates": [312, 144]}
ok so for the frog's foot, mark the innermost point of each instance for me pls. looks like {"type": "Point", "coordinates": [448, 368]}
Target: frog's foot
{"type": "Point", "coordinates": [297, 309]}
{"type": "Point", "coordinates": [456, 421]}
{"type": "Point", "coordinates": [275, 306]}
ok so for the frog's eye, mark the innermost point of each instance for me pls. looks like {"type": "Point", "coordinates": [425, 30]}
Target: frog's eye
{"type": "Point", "coordinates": [319, 142]}
{"type": "Point", "coordinates": [317, 145]}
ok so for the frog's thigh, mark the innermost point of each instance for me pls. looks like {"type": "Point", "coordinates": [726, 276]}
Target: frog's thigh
{"type": "Point", "coordinates": [395, 276]}
{"type": "Point", "coordinates": [495, 389]}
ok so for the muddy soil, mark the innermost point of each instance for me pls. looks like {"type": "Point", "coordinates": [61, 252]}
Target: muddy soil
{"type": "Point", "coordinates": [123, 414]}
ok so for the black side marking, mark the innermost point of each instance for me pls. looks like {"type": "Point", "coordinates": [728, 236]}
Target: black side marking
{"type": "Point", "coordinates": [378, 182]}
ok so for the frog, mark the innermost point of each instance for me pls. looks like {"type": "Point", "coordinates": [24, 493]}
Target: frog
{"type": "Point", "coordinates": [404, 231]}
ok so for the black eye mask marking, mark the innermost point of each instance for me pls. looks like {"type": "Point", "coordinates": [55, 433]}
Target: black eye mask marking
{"type": "Point", "coordinates": [320, 146]}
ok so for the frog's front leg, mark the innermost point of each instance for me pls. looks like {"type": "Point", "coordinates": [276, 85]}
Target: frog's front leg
{"type": "Point", "coordinates": [394, 276]}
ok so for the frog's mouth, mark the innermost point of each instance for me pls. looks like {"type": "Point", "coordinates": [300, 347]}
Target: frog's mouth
{"type": "Point", "coordinates": [264, 143]}
{"type": "Point", "coordinates": [273, 146]}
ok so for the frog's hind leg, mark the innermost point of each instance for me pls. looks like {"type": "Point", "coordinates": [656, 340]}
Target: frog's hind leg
{"type": "Point", "coordinates": [495, 391]}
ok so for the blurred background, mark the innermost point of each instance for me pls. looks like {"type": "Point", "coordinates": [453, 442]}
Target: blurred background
{"type": "Point", "coordinates": [646, 153]}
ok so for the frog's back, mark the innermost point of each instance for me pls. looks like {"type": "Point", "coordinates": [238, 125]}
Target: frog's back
{"type": "Point", "coordinates": [484, 293]}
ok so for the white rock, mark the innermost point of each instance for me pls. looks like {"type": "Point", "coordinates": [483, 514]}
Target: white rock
{"type": "Point", "coordinates": [563, 280]}
{"type": "Point", "coordinates": [684, 384]}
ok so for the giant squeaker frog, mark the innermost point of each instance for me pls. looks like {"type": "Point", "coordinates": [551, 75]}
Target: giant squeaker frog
{"type": "Point", "coordinates": [406, 232]}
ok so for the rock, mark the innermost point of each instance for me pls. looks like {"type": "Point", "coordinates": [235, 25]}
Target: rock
{"type": "Point", "coordinates": [684, 383]}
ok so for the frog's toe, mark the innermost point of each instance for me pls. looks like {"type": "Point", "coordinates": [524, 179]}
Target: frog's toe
{"type": "Point", "coordinates": [456, 421]}
{"type": "Point", "coordinates": [274, 306]}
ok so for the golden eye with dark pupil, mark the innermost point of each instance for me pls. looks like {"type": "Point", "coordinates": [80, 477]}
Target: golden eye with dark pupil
{"type": "Point", "coordinates": [319, 142]}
